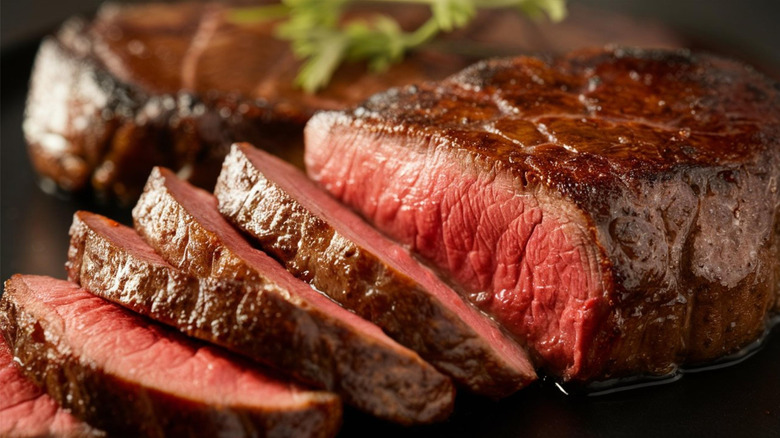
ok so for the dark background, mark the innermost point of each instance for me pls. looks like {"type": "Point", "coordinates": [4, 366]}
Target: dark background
{"type": "Point", "coordinates": [740, 400]}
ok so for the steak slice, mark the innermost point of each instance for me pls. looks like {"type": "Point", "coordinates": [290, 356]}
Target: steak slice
{"type": "Point", "coordinates": [614, 208]}
{"type": "Point", "coordinates": [303, 332]}
{"type": "Point", "coordinates": [128, 376]}
{"type": "Point", "coordinates": [323, 243]}
{"type": "Point", "coordinates": [26, 411]}
{"type": "Point", "coordinates": [175, 84]}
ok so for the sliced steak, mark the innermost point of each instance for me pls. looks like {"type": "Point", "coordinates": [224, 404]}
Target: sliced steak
{"type": "Point", "coordinates": [26, 411]}
{"type": "Point", "coordinates": [112, 261]}
{"type": "Point", "coordinates": [175, 84]}
{"type": "Point", "coordinates": [303, 332]}
{"type": "Point", "coordinates": [128, 376]}
{"type": "Point", "coordinates": [614, 208]}
{"type": "Point", "coordinates": [322, 242]}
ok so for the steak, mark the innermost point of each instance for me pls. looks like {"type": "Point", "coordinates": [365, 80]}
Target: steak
{"type": "Point", "coordinates": [615, 209]}
{"type": "Point", "coordinates": [323, 243]}
{"type": "Point", "coordinates": [175, 84]}
{"type": "Point", "coordinates": [303, 331]}
{"type": "Point", "coordinates": [128, 376]}
{"type": "Point", "coordinates": [26, 411]}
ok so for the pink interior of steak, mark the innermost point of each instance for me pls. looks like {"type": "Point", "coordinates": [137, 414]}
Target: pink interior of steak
{"type": "Point", "coordinates": [128, 347]}
{"type": "Point", "coordinates": [348, 224]}
{"type": "Point", "coordinates": [530, 266]}
{"type": "Point", "coordinates": [25, 410]}
{"type": "Point", "coordinates": [202, 206]}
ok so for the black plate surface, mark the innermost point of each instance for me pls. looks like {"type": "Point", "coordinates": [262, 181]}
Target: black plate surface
{"type": "Point", "coordinates": [741, 400]}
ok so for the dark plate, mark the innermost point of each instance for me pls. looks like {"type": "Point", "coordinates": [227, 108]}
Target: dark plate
{"type": "Point", "coordinates": [742, 400]}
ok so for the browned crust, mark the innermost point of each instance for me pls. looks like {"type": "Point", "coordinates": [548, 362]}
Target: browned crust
{"type": "Point", "coordinates": [776, 256]}
{"type": "Point", "coordinates": [122, 407]}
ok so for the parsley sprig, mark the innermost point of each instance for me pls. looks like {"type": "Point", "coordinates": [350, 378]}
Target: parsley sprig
{"type": "Point", "coordinates": [320, 36]}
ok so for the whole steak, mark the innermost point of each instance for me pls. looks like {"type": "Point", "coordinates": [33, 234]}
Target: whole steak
{"type": "Point", "coordinates": [615, 209]}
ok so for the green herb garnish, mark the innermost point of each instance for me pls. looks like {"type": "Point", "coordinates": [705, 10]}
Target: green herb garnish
{"type": "Point", "coordinates": [319, 35]}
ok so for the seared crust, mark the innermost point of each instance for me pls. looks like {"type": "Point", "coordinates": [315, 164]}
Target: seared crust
{"type": "Point", "coordinates": [672, 158]}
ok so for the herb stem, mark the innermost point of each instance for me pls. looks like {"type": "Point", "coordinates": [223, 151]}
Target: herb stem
{"type": "Point", "coordinates": [423, 34]}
